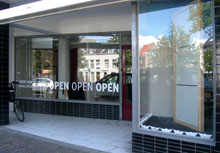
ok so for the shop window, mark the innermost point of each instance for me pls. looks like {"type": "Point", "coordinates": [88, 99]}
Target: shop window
{"type": "Point", "coordinates": [96, 53]}
{"type": "Point", "coordinates": [75, 76]}
{"type": "Point", "coordinates": [70, 54]}
{"type": "Point", "coordinates": [176, 69]}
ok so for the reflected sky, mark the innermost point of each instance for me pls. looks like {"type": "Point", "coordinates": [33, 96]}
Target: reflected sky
{"type": "Point", "coordinates": [159, 23]}
{"type": "Point", "coordinates": [156, 23]}
{"type": "Point", "coordinates": [99, 39]}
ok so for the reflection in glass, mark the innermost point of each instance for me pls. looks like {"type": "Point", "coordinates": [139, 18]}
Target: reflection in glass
{"type": "Point", "coordinates": [176, 71]}
{"type": "Point", "coordinates": [41, 55]}
{"type": "Point", "coordinates": [77, 67]}
{"type": "Point", "coordinates": [99, 51]}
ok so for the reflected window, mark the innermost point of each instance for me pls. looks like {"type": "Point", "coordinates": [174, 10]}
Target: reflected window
{"type": "Point", "coordinates": [114, 63]}
{"type": "Point", "coordinates": [106, 63]}
{"type": "Point", "coordinates": [97, 75]}
{"type": "Point", "coordinates": [99, 51]}
{"type": "Point", "coordinates": [97, 64]}
{"type": "Point", "coordinates": [36, 66]}
{"type": "Point", "coordinates": [92, 64]}
{"type": "Point", "coordinates": [85, 62]}
{"type": "Point", "coordinates": [92, 76]}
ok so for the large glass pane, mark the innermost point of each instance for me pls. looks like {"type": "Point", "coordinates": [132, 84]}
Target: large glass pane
{"type": "Point", "coordinates": [99, 79]}
{"type": "Point", "coordinates": [73, 55]}
{"type": "Point", "coordinates": [75, 67]}
{"type": "Point", "coordinates": [36, 66]}
{"type": "Point", "coordinates": [176, 71]}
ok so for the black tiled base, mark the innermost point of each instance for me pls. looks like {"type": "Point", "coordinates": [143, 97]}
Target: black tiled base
{"type": "Point", "coordinates": [99, 111]}
{"type": "Point", "coordinates": [4, 98]}
{"type": "Point", "coordinates": [150, 144]}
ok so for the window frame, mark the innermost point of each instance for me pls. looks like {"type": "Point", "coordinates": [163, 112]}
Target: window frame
{"type": "Point", "coordinates": [136, 81]}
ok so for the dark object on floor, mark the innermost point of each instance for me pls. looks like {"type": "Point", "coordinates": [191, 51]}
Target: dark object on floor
{"type": "Point", "coordinates": [166, 122]}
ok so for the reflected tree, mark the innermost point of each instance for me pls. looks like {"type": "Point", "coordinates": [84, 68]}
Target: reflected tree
{"type": "Point", "coordinates": [205, 11]}
{"type": "Point", "coordinates": [186, 51]}
{"type": "Point", "coordinates": [205, 21]}
{"type": "Point", "coordinates": [178, 40]}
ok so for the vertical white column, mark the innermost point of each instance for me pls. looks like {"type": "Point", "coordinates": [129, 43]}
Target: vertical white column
{"type": "Point", "coordinates": [63, 64]}
{"type": "Point", "coordinates": [11, 55]}
{"type": "Point", "coordinates": [11, 59]}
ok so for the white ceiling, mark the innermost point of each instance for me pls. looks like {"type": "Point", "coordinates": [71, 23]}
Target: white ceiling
{"type": "Point", "coordinates": [99, 19]}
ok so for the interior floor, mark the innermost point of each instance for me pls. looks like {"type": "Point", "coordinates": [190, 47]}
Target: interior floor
{"type": "Point", "coordinates": [169, 123]}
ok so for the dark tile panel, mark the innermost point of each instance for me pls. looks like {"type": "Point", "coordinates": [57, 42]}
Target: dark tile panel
{"type": "Point", "coordinates": [116, 112]}
{"type": "Point", "coordinates": [217, 147]}
{"type": "Point", "coordinates": [109, 111]}
{"type": "Point", "coordinates": [145, 143]}
{"type": "Point", "coordinates": [53, 108]}
{"type": "Point", "coordinates": [4, 96]}
{"type": "Point", "coordinates": [217, 127]}
{"type": "Point", "coordinates": [47, 107]}
{"type": "Point", "coordinates": [96, 112]}
{"type": "Point", "coordinates": [72, 109]}
{"type": "Point", "coordinates": [58, 109]}
{"type": "Point", "coordinates": [64, 108]}
{"type": "Point", "coordinates": [42, 107]}
{"type": "Point", "coordinates": [82, 110]}
{"type": "Point", "coordinates": [217, 136]}
{"type": "Point", "coordinates": [217, 11]}
{"type": "Point", "coordinates": [150, 146]}
{"type": "Point", "coordinates": [3, 5]}
{"type": "Point", "coordinates": [102, 111]}
{"type": "Point", "coordinates": [36, 107]}
{"type": "Point", "coordinates": [76, 110]}
{"type": "Point", "coordinates": [217, 2]}
{"type": "Point", "coordinates": [218, 107]}
{"type": "Point", "coordinates": [218, 117]}
{"type": "Point", "coordinates": [89, 111]}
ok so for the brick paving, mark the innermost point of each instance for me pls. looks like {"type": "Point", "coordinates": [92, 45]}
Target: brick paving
{"type": "Point", "coordinates": [17, 142]}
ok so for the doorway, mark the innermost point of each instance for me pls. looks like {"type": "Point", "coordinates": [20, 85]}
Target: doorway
{"type": "Point", "coordinates": [126, 82]}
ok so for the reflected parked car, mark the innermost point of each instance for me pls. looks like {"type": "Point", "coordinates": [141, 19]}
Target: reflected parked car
{"type": "Point", "coordinates": [110, 78]}
{"type": "Point", "coordinates": [113, 78]}
{"type": "Point", "coordinates": [42, 84]}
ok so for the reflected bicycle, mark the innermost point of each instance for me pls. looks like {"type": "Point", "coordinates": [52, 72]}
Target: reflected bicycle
{"type": "Point", "coordinates": [19, 113]}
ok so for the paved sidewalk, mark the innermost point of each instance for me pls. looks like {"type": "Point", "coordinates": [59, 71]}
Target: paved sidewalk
{"type": "Point", "coordinates": [103, 135]}
{"type": "Point", "coordinates": [18, 142]}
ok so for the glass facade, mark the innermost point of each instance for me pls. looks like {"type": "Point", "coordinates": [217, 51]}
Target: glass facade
{"type": "Point", "coordinates": [75, 61]}
{"type": "Point", "coordinates": [79, 63]}
{"type": "Point", "coordinates": [90, 63]}
{"type": "Point", "coordinates": [176, 67]}
{"type": "Point", "coordinates": [64, 57]}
